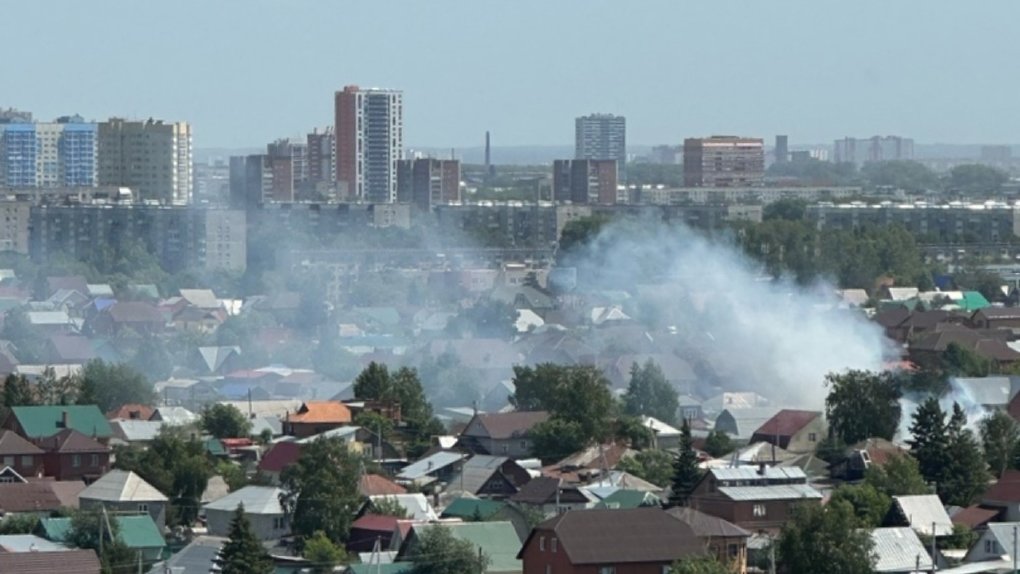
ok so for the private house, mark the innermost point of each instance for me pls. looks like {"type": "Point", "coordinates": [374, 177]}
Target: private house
{"type": "Point", "coordinates": [174, 416]}
{"type": "Point", "coordinates": [898, 550]}
{"type": "Point", "coordinates": [501, 434]}
{"type": "Point", "coordinates": [665, 436]}
{"type": "Point", "coordinates": [122, 316]}
{"type": "Point", "coordinates": [638, 541]}
{"type": "Point", "coordinates": [191, 392]}
{"type": "Point", "coordinates": [550, 496]}
{"type": "Point", "coordinates": [996, 318]}
{"type": "Point", "coordinates": [138, 532]}
{"type": "Point", "coordinates": [724, 540]}
{"type": "Point", "coordinates": [741, 423]}
{"type": "Point", "coordinates": [924, 513]}
{"type": "Point", "coordinates": [437, 467]}
{"type": "Point", "coordinates": [481, 510]}
{"type": "Point", "coordinates": [278, 457]}
{"type": "Point", "coordinates": [496, 540]}
{"type": "Point", "coordinates": [756, 499]}
{"type": "Point", "coordinates": [39, 422]}
{"type": "Point", "coordinates": [71, 455]}
{"type": "Point", "coordinates": [368, 530]}
{"type": "Point", "coordinates": [135, 431]}
{"type": "Point", "coordinates": [793, 430]}
{"type": "Point", "coordinates": [1004, 496]}
{"type": "Point", "coordinates": [486, 476]}
{"type": "Point", "coordinates": [130, 412]}
{"type": "Point", "coordinates": [59, 562]}
{"type": "Point", "coordinates": [262, 507]}
{"type": "Point", "coordinates": [995, 392]}
{"type": "Point", "coordinates": [995, 541]}
{"type": "Point", "coordinates": [126, 492]}
{"type": "Point", "coordinates": [415, 505]}
{"type": "Point", "coordinates": [316, 417]}
{"type": "Point", "coordinates": [872, 452]}
{"type": "Point", "coordinates": [39, 497]}
{"type": "Point", "coordinates": [377, 485]}
{"type": "Point", "coordinates": [19, 455]}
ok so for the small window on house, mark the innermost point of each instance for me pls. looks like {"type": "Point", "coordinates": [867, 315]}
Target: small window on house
{"type": "Point", "coordinates": [554, 545]}
{"type": "Point", "coordinates": [732, 550]}
{"type": "Point", "coordinates": [524, 445]}
{"type": "Point", "coordinates": [278, 523]}
{"type": "Point", "coordinates": [813, 437]}
{"type": "Point", "coordinates": [26, 461]}
{"type": "Point", "coordinates": [94, 460]}
{"type": "Point", "coordinates": [541, 543]}
{"type": "Point", "coordinates": [758, 510]}
{"type": "Point", "coordinates": [506, 449]}
{"type": "Point", "coordinates": [76, 460]}
{"type": "Point", "coordinates": [143, 507]}
{"type": "Point", "coordinates": [8, 461]}
{"type": "Point", "coordinates": [607, 570]}
{"type": "Point", "coordinates": [989, 546]}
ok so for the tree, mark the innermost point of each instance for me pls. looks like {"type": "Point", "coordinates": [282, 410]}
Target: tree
{"type": "Point", "coordinates": [825, 539]}
{"type": "Point", "coordinates": [534, 386]}
{"type": "Point", "coordinates": [439, 552]}
{"type": "Point", "coordinates": [650, 394]}
{"type": "Point", "coordinates": [556, 438]}
{"type": "Point", "coordinates": [322, 490]}
{"type": "Point", "coordinates": [387, 506]}
{"type": "Point", "coordinates": [578, 233]}
{"type": "Point", "coordinates": [373, 383]}
{"type": "Point", "coordinates": [17, 391]}
{"type": "Point", "coordinates": [929, 442]}
{"type": "Point", "coordinates": [53, 390]}
{"type": "Point", "coordinates": [19, 524]}
{"type": "Point", "coordinates": [899, 476]}
{"type": "Point", "coordinates": [900, 174]}
{"type": "Point", "coordinates": [870, 505]}
{"type": "Point", "coordinates": [785, 209]}
{"type": "Point", "coordinates": [225, 421]}
{"type": "Point", "coordinates": [653, 465]}
{"type": "Point", "coordinates": [1000, 437]}
{"type": "Point", "coordinates": [95, 530]}
{"type": "Point", "coordinates": [243, 553]}
{"type": "Point", "coordinates": [976, 179]}
{"type": "Point", "coordinates": [862, 405]}
{"type": "Point", "coordinates": [153, 359]}
{"type": "Point", "coordinates": [966, 477]}
{"type": "Point", "coordinates": [322, 553]}
{"type": "Point", "coordinates": [110, 385]}
{"type": "Point", "coordinates": [699, 565]}
{"type": "Point", "coordinates": [958, 361]}
{"type": "Point", "coordinates": [718, 443]}
{"type": "Point", "coordinates": [686, 473]}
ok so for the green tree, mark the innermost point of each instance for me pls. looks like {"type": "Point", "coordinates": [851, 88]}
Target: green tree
{"type": "Point", "coordinates": [17, 391]}
{"type": "Point", "coordinates": [110, 385]}
{"type": "Point", "coordinates": [19, 524]}
{"type": "Point", "coordinates": [785, 209]}
{"type": "Point", "coordinates": [439, 552]}
{"type": "Point", "coordinates": [900, 174]}
{"type": "Point", "coordinates": [53, 390]}
{"type": "Point", "coordinates": [700, 565]}
{"type": "Point", "coordinates": [225, 421]}
{"type": "Point", "coordinates": [929, 442]}
{"type": "Point", "coordinates": [825, 539]}
{"type": "Point", "coordinates": [534, 387]}
{"type": "Point", "coordinates": [153, 359]}
{"type": "Point", "coordinates": [899, 476]}
{"type": "Point", "coordinates": [976, 179]}
{"type": "Point", "coordinates": [578, 233]}
{"type": "Point", "coordinates": [862, 405]}
{"type": "Point", "coordinates": [686, 473]}
{"type": "Point", "coordinates": [958, 361]}
{"type": "Point", "coordinates": [870, 505]}
{"type": "Point", "coordinates": [650, 394]}
{"type": "Point", "coordinates": [243, 553]}
{"type": "Point", "coordinates": [1000, 437]}
{"type": "Point", "coordinates": [94, 530]}
{"type": "Point", "coordinates": [966, 476]}
{"type": "Point", "coordinates": [322, 553]}
{"type": "Point", "coordinates": [322, 490]}
{"type": "Point", "coordinates": [718, 443]}
{"type": "Point", "coordinates": [556, 438]}
{"type": "Point", "coordinates": [373, 383]}
{"type": "Point", "coordinates": [653, 465]}
{"type": "Point", "coordinates": [831, 449]}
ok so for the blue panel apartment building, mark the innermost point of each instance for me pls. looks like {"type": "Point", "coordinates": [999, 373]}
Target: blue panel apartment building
{"type": "Point", "coordinates": [54, 154]}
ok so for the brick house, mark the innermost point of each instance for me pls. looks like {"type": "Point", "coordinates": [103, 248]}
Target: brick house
{"type": "Point", "coordinates": [16, 453]}
{"type": "Point", "coordinates": [70, 455]}
{"type": "Point", "coordinates": [724, 540]}
{"type": "Point", "coordinates": [756, 499]}
{"type": "Point", "coordinates": [793, 430]}
{"type": "Point", "coordinates": [316, 417]}
{"type": "Point", "coordinates": [635, 541]}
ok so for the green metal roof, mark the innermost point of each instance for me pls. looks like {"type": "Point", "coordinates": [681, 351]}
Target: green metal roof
{"type": "Point", "coordinates": [973, 300]}
{"type": "Point", "coordinates": [39, 422]}
{"type": "Point", "coordinates": [214, 447]}
{"type": "Point", "coordinates": [467, 508]}
{"type": "Point", "coordinates": [136, 531]}
{"type": "Point", "coordinates": [498, 540]}
{"type": "Point", "coordinates": [394, 568]}
{"type": "Point", "coordinates": [629, 498]}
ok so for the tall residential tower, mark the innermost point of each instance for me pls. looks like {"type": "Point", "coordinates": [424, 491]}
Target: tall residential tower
{"type": "Point", "coordinates": [369, 142]}
{"type": "Point", "coordinates": [601, 136]}
{"type": "Point", "coordinates": [151, 157]}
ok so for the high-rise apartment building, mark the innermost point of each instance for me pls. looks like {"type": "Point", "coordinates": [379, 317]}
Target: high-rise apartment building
{"type": "Point", "coordinates": [724, 161]}
{"type": "Point", "coordinates": [288, 161]}
{"type": "Point", "coordinates": [585, 180]}
{"type": "Point", "coordinates": [151, 157]}
{"type": "Point", "coordinates": [427, 182]}
{"type": "Point", "coordinates": [321, 159]}
{"type": "Point", "coordinates": [48, 154]}
{"type": "Point", "coordinates": [369, 134]}
{"type": "Point", "coordinates": [601, 136]}
{"type": "Point", "coordinates": [782, 149]}
{"type": "Point", "coordinates": [251, 181]}
{"type": "Point", "coordinates": [877, 148]}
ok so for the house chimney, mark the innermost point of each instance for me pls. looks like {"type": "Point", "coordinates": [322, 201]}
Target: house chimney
{"type": "Point", "coordinates": [761, 469]}
{"type": "Point", "coordinates": [64, 419]}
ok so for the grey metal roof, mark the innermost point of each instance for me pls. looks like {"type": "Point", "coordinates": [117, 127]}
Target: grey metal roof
{"type": "Point", "coordinates": [256, 500]}
{"type": "Point", "coordinates": [745, 420]}
{"type": "Point", "coordinates": [776, 492]}
{"type": "Point", "coordinates": [416, 505]}
{"type": "Point", "coordinates": [429, 464]}
{"type": "Point", "coordinates": [1003, 532]}
{"type": "Point", "coordinates": [752, 473]}
{"type": "Point", "coordinates": [195, 558]}
{"type": "Point", "coordinates": [135, 430]}
{"type": "Point", "coordinates": [29, 543]}
{"type": "Point", "coordinates": [923, 512]}
{"type": "Point", "coordinates": [476, 472]}
{"type": "Point", "coordinates": [897, 549]}
{"type": "Point", "coordinates": [122, 486]}
{"type": "Point", "coordinates": [987, 390]}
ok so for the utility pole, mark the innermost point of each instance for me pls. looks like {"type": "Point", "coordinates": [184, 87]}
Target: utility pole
{"type": "Point", "coordinates": [933, 549]}
{"type": "Point", "coordinates": [1014, 568]}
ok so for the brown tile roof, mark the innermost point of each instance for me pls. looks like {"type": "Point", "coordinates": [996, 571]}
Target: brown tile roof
{"type": "Point", "coordinates": [892, 317]}
{"type": "Point", "coordinates": [542, 490]}
{"type": "Point", "coordinates": [1007, 489]}
{"type": "Point", "coordinates": [131, 412]}
{"type": "Point", "coordinates": [12, 444]}
{"type": "Point", "coordinates": [786, 423]}
{"type": "Point", "coordinates": [374, 485]}
{"type": "Point", "coordinates": [321, 412]}
{"type": "Point", "coordinates": [39, 495]}
{"type": "Point", "coordinates": [377, 522]}
{"type": "Point", "coordinates": [59, 562]}
{"type": "Point", "coordinates": [71, 441]}
{"type": "Point", "coordinates": [706, 525]}
{"type": "Point", "coordinates": [640, 535]}
{"type": "Point", "coordinates": [510, 425]}
{"type": "Point", "coordinates": [974, 516]}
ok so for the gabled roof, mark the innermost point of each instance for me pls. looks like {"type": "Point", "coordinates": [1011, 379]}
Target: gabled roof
{"type": "Point", "coordinates": [621, 536]}
{"type": "Point", "coordinates": [924, 512]}
{"type": "Point", "coordinates": [122, 486]}
{"type": "Point", "coordinates": [256, 500]}
{"type": "Point", "coordinates": [131, 412]}
{"type": "Point", "coordinates": [375, 485]}
{"type": "Point", "coordinates": [500, 426]}
{"type": "Point", "coordinates": [467, 508]}
{"type": "Point", "coordinates": [475, 473]}
{"type": "Point", "coordinates": [706, 525]}
{"type": "Point", "coordinates": [134, 430]}
{"type": "Point", "coordinates": [71, 441]}
{"type": "Point", "coordinates": [11, 444]}
{"type": "Point", "coordinates": [201, 298]}
{"type": "Point", "coordinates": [415, 505]}
{"type": "Point", "coordinates": [376, 522]}
{"type": "Point", "coordinates": [136, 531]}
{"type": "Point", "coordinates": [50, 318]}
{"type": "Point", "coordinates": [28, 543]}
{"type": "Point", "coordinates": [333, 412]}
{"type": "Point", "coordinates": [174, 416]}
{"type": "Point", "coordinates": [72, 349]}
{"type": "Point", "coordinates": [898, 549]}
{"type": "Point", "coordinates": [195, 558]}
{"type": "Point", "coordinates": [44, 421]}
{"type": "Point", "coordinates": [279, 456]}
{"type": "Point", "coordinates": [63, 562]}
{"type": "Point", "coordinates": [39, 495]}
{"type": "Point", "coordinates": [974, 516]}
{"type": "Point", "coordinates": [135, 312]}
{"type": "Point", "coordinates": [1006, 489]}
{"type": "Point", "coordinates": [988, 391]}
{"type": "Point", "coordinates": [430, 464]}
{"type": "Point", "coordinates": [786, 423]}
{"type": "Point", "coordinates": [746, 420]}
{"type": "Point", "coordinates": [543, 490]}
{"type": "Point", "coordinates": [214, 357]}
{"type": "Point", "coordinates": [497, 540]}
{"type": "Point", "coordinates": [629, 498]}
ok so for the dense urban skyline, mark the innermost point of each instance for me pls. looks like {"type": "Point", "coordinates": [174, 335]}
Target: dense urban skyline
{"type": "Point", "coordinates": [242, 77]}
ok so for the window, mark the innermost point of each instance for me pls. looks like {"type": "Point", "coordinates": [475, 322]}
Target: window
{"type": "Point", "coordinates": [812, 437]}
{"type": "Point", "coordinates": [143, 507]}
{"type": "Point", "coordinates": [607, 570]}
{"type": "Point", "coordinates": [989, 546]}
{"type": "Point", "coordinates": [554, 545]}
{"type": "Point", "coordinates": [76, 460]}
{"type": "Point", "coordinates": [758, 510]}
{"type": "Point", "coordinates": [541, 543]}
{"type": "Point", "coordinates": [524, 445]}
{"type": "Point", "coordinates": [26, 461]}
{"type": "Point", "coordinates": [8, 461]}
{"type": "Point", "coordinates": [278, 523]}
{"type": "Point", "coordinates": [94, 461]}
{"type": "Point", "coordinates": [732, 550]}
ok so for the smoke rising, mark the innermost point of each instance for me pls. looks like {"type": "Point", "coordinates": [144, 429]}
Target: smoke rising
{"type": "Point", "coordinates": [747, 332]}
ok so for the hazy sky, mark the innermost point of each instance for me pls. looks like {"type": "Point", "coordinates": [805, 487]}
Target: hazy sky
{"type": "Point", "coordinates": [247, 71]}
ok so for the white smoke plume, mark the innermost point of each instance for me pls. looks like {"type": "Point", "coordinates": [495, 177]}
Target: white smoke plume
{"type": "Point", "coordinates": [774, 337]}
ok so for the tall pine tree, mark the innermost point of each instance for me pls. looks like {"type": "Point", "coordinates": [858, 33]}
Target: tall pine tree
{"type": "Point", "coordinates": [966, 476]}
{"type": "Point", "coordinates": [929, 441]}
{"type": "Point", "coordinates": [243, 553]}
{"type": "Point", "coordinates": [686, 473]}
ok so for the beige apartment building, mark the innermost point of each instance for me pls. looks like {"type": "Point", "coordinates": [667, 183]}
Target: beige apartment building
{"type": "Point", "coordinates": [151, 157]}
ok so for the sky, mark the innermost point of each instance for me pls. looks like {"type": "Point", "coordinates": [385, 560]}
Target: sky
{"type": "Point", "coordinates": [245, 72]}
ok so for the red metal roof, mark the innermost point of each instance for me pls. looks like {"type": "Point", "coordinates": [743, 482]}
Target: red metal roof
{"type": "Point", "coordinates": [374, 485]}
{"type": "Point", "coordinates": [1007, 489]}
{"type": "Point", "coordinates": [376, 522]}
{"type": "Point", "coordinates": [787, 423]}
{"type": "Point", "coordinates": [280, 456]}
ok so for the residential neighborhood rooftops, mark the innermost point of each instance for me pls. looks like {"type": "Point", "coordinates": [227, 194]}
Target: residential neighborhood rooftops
{"type": "Point", "coordinates": [898, 549]}
{"type": "Point", "coordinates": [786, 423]}
{"type": "Point", "coordinates": [430, 464]}
{"type": "Point", "coordinates": [706, 525]}
{"type": "Point", "coordinates": [122, 486]}
{"type": "Point", "coordinates": [509, 425]}
{"type": "Point", "coordinates": [374, 485]}
{"type": "Point", "coordinates": [256, 500]}
{"type": "Point", "coordinates": [44, 421]}
{"type": "Point", "coordinates": [39, 496]}
{"type": "Point", "coordinates": [924, 512]}
{"type": "Point", "coordinates": [63, 562]}
{"type": "Point", "coordinates": [497, 540]}
{"type": "Point", "coordinates": [416, 505]}
{"type": "Point", "coordinates": [771, 492]}
{"type": "Point", "coordinates": [13, 444]}
{"type": "Point", "coordinates": [321, 412]}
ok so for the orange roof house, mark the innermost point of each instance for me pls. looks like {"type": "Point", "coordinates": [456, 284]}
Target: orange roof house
{"type": "Point", "coordinates": [316, 417]}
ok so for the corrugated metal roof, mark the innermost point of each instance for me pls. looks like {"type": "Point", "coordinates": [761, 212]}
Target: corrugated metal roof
{"type": "Point", "coordinates": [256, 500]}
{"type": "Point", "coordinates": [897, 550]}
{"type": "Point", "coordinates": [429, 464]}
{"type": "Point", "coordinates": [923, 512]}
{"type": "Point", "coordinates": [752, 473]}
{"type": "Point", "coordinates": [416, 505]}
{"type": "Point", "coordinates": [775, 492]}
{"type": "Point", "coordinates": [121, 486]}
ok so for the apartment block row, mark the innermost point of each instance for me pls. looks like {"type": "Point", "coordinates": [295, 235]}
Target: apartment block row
{"type": "Point", "coordinates": [934, 223]}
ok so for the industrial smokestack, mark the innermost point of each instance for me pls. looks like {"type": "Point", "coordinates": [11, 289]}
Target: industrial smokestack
{"type": "Point", "coordinates": [489, 171]}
